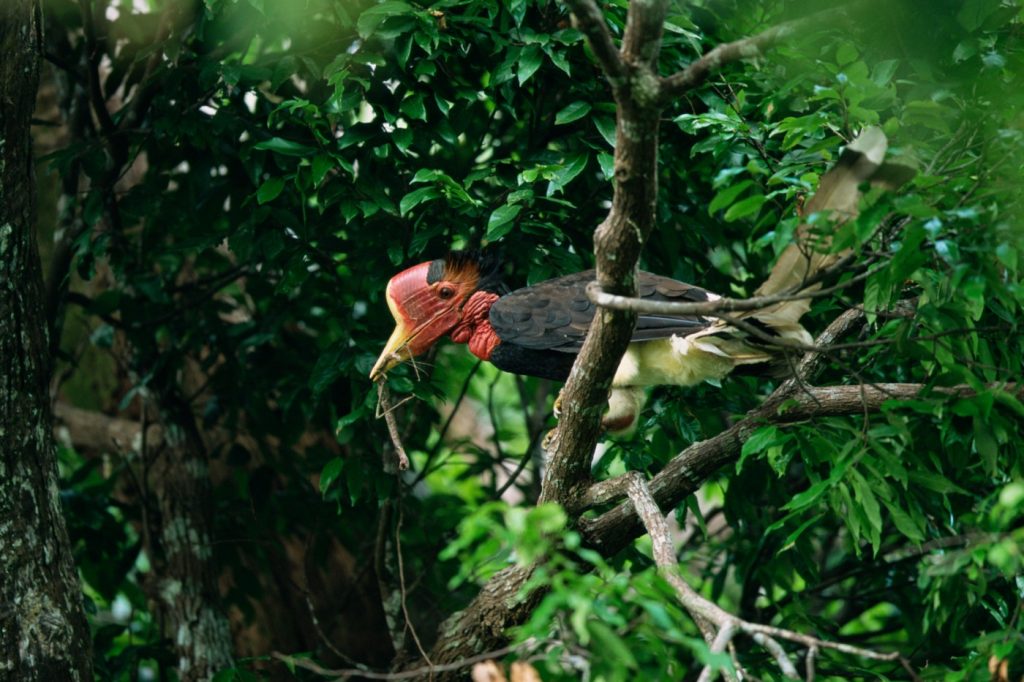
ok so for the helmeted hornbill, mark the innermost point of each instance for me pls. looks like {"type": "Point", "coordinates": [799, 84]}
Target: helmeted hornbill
{"type": "Point", "coordinates": [539, 330]}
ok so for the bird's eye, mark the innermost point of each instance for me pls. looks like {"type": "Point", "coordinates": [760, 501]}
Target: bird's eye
{"type": "Point", "coordinates": [446, 292]}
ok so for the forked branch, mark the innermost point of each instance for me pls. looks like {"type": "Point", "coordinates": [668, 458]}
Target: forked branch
{"type": "Point", "coordinates": [706, 612]}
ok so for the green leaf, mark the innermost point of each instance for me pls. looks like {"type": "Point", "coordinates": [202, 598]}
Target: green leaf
{"type": "Point", "coordinates": [974, 12]}
{"type": "Point", "coordinates": [846, 54]}
{"type": "Point", "coordinates": [425, 175]}
{"type": "Point", "coordinates": [370, 19]}
{"type": "Point", "coordinates": [501, 221]}
{"type": "Point", "coordinates": [808, 497]}
{"type": "Point", "coordinates": [402, 138]}
{"type": "Point", "coordinates": [529, 61]}
{"type": "Point", "coordinates": [758, 442]}
{"type": "Point", "coordinates": [742, 209]}
{"type": "Point", "coordinates": [884, 71]}
{"type": "Point", "coordinates": [936, 482]}
{"type": "Point", "coordinates": [728, 195]}
{"type": "Point", "coordinates": [417, 197]}
{"type": "Point", "coordinates": [558, 58]}
{"type": "Point", "coordinates": [905, 523]}
{"type": "Point", "coordinates": [795, 535]}
{"type": "Point", "coordinates": [612, 644]}
{"type": "Point", "coordinates": [413, 107]}
{"type": "Point", "coordinates": [869, 504]}
{"type": "Point", "coordinates": [986, 444]}
{"type": "Point", "coordinates": [573, 112]}
{"type": "Point", "coordinates": [322, 164]}
{"type": "Point", "coordinates": [270, 190]}
{"type": "Point", "coordinates": [330, 473]}
{"type": "Point", "coordinates": [279, 145]}
{"type": "Point", "coordinates": [572, 167]}
{"type": "Point", "coordinates": [605, 126]}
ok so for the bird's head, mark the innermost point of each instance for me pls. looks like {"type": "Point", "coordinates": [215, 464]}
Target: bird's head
{"type": "Point", "coordinates": [427, 300]}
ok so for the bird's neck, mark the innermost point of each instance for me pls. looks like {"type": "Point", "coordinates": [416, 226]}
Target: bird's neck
{"type": "Point", "coordinates": [474, 328]}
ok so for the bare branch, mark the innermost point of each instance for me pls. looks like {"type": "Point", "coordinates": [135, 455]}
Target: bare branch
{"type": "Point", "coordinates": [705, 613]}
{"type": "Point", "coordinates": [618, 241]}
{"type": "Point", "coordinates": [99, 99]}
{"type": "Point", "coordinates": [688, 470]}
{"type": "Point", "coordinates": [708, 614]}
{"type": "Point", "coordinates": [607, 490]}
{"type": "Point", "coordinates": [721, 641]}
{"type": "Point", "coordinates": [401, 585]}
{"type": "Point", "coordinates": [719, 305]}
{"type": "Point", "coordinates": [697, 72]}
{"type": "Point", "coordinates": [91, 429]}
{"type": "Point", "coordinates": [591, 23]}
{"type": "Point", "coordinates": [778, 653]}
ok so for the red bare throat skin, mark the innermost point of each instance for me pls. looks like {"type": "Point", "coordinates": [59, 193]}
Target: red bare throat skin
{"type": "Point", "coordinates": [474, 327]}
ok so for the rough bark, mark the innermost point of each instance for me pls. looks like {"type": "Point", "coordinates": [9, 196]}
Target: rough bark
{"type": "Point", "coordinates": [483, 626]}
{"type": "Point", "coordinates": [43, 631]}
{"type": "Point", "coordinates": [188, 594]}
{"type": "Point", "coordinates": [632, 75]}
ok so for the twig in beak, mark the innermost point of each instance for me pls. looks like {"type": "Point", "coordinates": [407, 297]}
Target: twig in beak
{"type": "Point", "coordinates": [384, 407]}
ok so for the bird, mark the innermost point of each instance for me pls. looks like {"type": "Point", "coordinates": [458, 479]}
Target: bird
{"type": "Point", "coordinates": [539, 330]}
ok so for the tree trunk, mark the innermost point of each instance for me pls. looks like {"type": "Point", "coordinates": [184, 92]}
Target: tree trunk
{"type": "Point", "coordinates": [195, 619]}
{"type": "Point", "coordinates": [43, 631]}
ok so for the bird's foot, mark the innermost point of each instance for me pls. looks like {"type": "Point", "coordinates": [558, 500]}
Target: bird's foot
{"type": "Point", "coordinates": [624, 405]}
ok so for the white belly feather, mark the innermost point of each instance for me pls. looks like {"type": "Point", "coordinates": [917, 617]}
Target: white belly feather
{"type": "Point", "coordinates": [681, 361]}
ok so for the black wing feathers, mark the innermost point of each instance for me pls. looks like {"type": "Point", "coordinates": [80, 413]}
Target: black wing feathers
{"type": "Point", "coordinates": [556, 314]}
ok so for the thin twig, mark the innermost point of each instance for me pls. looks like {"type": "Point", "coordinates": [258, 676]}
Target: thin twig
{"type": "Point", "coordinates": [697, 72]}
{"type": "Point", "coordinates": [443, 432]}
{"type": "Point", "coordinates": [402, 590]}
{"type": "Point", "coordinates": [523, 461]}
{"type": "Point", "coordinates": [812, 654]}
{"type": "Point", "coordinates": [719, 305]}
{"type": "Point", "coordinates": [384, 401]}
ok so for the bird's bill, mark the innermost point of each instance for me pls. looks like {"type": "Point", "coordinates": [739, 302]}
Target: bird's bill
{"type": "Point", "coordinates": [406, 343]}
{"type": "Point", "coordinates": [409, 341]}
{"type": "Point", "coordinates": [395, 352]}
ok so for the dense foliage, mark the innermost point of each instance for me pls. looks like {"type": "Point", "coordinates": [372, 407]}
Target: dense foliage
{"type": "Point", "coordinates": [267, 165]}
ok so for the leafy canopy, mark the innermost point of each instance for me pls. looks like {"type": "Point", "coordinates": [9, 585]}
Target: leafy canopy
{"type": "Point", "coordinates": [293, 156]}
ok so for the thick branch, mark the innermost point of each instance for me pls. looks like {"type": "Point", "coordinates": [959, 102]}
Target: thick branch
{"type": "Point", "coordinates": [641, 43]}
{"type": "Point", "coordinates": [96, 431]}
{"type": "Point", "coordinates": [617, 244]}
{"type": "Point", "coordinates": [688, 470]}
